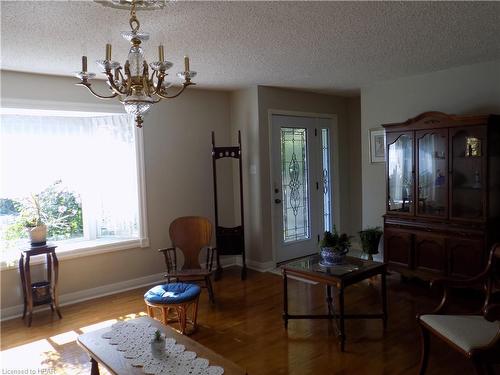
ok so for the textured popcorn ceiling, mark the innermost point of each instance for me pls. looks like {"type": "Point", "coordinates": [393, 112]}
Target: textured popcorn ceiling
{"type": "Point", "coordinates": [333, 47]}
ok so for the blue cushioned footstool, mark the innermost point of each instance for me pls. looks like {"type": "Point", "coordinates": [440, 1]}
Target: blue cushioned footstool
{"type": "Point", "coordinates": [180, 297]}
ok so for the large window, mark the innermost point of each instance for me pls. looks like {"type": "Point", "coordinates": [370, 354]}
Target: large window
{"type": "Point", "coordinates": [80, 170]}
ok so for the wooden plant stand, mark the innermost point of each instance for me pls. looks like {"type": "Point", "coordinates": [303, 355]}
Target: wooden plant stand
{"type": "Point", "coordinates": [41, 292]}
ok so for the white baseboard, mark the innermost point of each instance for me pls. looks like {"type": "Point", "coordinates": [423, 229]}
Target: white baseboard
{"type": "Point", "coordinates": [258, 266]}
{"type": "Point", "coordinates": [86, 294]}
{"type": "Point", "coordinates": [236, 260]}
{"type": "Point", "coordinates": [229, 260]}
{"type": "Point", "coordinates": [102, 291]}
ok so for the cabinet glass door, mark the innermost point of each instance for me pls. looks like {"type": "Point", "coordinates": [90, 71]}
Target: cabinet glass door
{"type": "Point", "coordinates": [400, 172]}
{"type": "Point", "coordinates": [432, 172]}
{"type": "Point", "coordinates": [468, 181]}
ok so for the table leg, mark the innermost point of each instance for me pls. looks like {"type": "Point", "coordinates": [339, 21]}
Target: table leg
{"type": "Point", "coordinates": [23, 283]}
{"type": "Point", "coordinates": [383, 291]}
{"type": "Point", "coordinates": [285, 299]}
{"type": "Point", "coordinates": [49, 267]}
{"type": "Point", "coordinates": [49, 279]}
{"type": "Point", "coordinates": [329, 300]}
{"type": "Point", "coordinates": [29, 294]}
{"type": "Point", "coordinates": [341, 319]}
{"type": "Point", "coordinates": [55, 295]}
{"type": "Point", "coordinates": [94, 370]}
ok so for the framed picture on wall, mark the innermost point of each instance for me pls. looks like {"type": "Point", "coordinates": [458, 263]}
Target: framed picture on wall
{"type": "Point", "coordinates": [377, 145]}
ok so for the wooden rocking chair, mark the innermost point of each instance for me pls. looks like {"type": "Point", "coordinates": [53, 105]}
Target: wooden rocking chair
{"type": "Point", "coordinates": [190, 234]}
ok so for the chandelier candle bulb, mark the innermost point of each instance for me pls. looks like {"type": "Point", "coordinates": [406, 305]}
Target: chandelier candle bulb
{"type": "Point", "coordinates": [108, 52]}
{"type": "Point", "coordinates": [186, 64]}
{"type": "Point", "coordinates": [84, 64]}
{"type": "Point", "coordinates": [161, 53]}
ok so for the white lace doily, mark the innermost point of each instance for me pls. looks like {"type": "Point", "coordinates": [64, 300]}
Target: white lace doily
{"type": "Point", "coordinates": [133, 340]}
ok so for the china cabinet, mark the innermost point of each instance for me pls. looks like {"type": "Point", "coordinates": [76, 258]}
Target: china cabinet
{"type": "Point", "coordinates": [443, 194]}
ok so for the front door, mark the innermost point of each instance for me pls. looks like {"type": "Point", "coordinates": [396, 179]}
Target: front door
{"type": "Point", "coordinates": [301, 184]}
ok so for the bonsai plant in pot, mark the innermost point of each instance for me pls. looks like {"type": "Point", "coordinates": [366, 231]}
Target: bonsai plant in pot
{"type": "Point", "coordinates": [158, 344]}
{"type": "Point", "coordinates": [54, 213]}
{"type": "Point", "coordinates": [33, 222]}
{"type": "Point", "coordinates": [334, 247]}
{"type": "Point", "coordinates": [370, 238]}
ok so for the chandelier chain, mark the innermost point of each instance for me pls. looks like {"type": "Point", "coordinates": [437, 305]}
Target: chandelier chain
{"type": "Point", "coordinates": [134, 22]}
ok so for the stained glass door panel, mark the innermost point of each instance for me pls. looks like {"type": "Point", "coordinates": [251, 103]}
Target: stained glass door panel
{"type": "Point", "coordinates": [295, 185]}
{"type": "Point", "coordinates": [326, 176]}
{"type": "Point", "coordinates": [400, 167]}
{"type": "Point", "coordinates": [432, 173]}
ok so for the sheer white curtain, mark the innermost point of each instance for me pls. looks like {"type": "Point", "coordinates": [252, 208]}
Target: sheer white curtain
{"type": "Point", "coordinates": [94, 156]}
{"type": "Point", "coordinates": [400, 166]}
{"type": "Point", "coordinates": [428, 171]}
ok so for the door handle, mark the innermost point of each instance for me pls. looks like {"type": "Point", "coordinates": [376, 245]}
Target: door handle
{"type": "Point", "coordinates": [277, 201]}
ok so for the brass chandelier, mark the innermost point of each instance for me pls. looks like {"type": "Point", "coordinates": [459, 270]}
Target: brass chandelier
{"type": "Point", "coordinates": [132, 84]}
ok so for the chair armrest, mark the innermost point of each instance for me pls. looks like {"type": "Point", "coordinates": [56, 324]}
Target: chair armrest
{"type": "Point", "coordinates": [166, 249]}
{"type": "Point", "coordinates": [460, 283]}
{"type": "Point", "coordinates": [492, 312]}
{"type": "Point", "coordinates": [211, 252]}
{"type": "Point", "coordinates": [170, 255]}
{"type": "Point", "coordinates": [450, 283]}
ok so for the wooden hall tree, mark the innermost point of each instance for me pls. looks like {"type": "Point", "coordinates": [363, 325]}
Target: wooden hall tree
{"type": "Point", "coordinates": [443, 194]}
{"type": "Point", "coordinates": [229, 240]}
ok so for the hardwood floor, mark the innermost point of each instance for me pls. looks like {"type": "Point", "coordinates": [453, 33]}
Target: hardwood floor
{"type": "Point", "coordinates": [245, 326]}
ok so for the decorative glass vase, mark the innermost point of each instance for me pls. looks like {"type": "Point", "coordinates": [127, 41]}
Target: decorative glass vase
{"type": "Point", "coordinates": [158, 347]}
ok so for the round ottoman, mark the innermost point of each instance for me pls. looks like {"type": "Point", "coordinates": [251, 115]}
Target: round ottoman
{"type": "Point", "coordinates": [182, 298]}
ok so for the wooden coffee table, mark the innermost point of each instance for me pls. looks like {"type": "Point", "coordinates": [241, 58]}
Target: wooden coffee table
{"type": "Point", "coordinates": [101, 352]}
{"type": "Point", "coordinates": [352, 271]}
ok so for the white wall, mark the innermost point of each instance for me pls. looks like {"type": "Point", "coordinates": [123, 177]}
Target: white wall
{"type": "Point", "coordinates": [178, 167]}
{"type": "Point", "coordinates": [244, 117]}
{"type": "Point", "coordinates": [471, 89]}
{"type": "Point", "coordinates": [354, 157]}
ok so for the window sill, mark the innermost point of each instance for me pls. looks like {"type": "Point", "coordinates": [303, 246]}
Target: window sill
{"type": "Point", "coordinates": [81, 249]}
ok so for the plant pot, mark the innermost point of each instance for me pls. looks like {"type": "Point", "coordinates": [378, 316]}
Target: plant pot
{"type": "Point", "coordinates": [331, 255]}
{"type": "Point", "coordinates": [367, 256]}
{"type": "Point", "coordinates": [158, 348]}
{"type": "Point", "coordinates": [370, 242]}
{"type": "Point", "coordinates": [37, 235]}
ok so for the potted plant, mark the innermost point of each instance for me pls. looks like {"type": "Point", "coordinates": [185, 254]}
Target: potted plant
{"type": "Point", "coordinates": [370, 238]}
{"type": "Point", "coordinates": [33, 222]}
{"type": "Point", "coordinates": [334, 247]}
{"type": "Point", "coordinates": [158, 344]}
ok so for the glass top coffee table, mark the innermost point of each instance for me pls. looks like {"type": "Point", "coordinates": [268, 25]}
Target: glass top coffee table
{"type": "Point", "coordinates": [339, 276]}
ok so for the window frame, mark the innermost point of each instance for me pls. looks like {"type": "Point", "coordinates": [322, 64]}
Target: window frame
{"type": "Point", "coordinates": [86, 247]}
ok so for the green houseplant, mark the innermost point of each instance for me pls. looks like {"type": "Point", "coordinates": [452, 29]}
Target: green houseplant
{"type": "Point", "coordinates": [55, 212]}
{"type": "Point", "coordinates": [334, 247]}
{"type": "Point", "coordinates": [32, 220]}
{"type": "Point", "coordinates": [370, 238]}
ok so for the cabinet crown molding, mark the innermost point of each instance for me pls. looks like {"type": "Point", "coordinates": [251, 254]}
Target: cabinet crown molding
{"type": "Point", "coordinates": [434, 119]}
